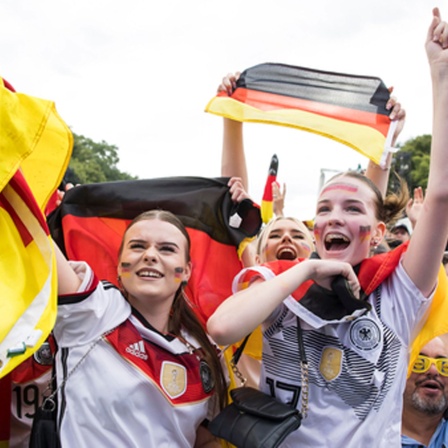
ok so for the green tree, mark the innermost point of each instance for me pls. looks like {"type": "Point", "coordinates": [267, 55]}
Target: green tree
{"type": "Point", "coordinates": [93, 162]}
{"type": "Point", "coordinates": [411, 163]}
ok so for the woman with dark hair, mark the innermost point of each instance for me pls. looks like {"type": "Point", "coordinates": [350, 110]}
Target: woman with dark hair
{"type": "Point", "coordinates": [134, 366]}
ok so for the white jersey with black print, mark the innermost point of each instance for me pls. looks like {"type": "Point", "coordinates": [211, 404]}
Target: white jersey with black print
{"type": "Point", "coordinates": [134, 387]}
{"type": "Point", "coordinates": [357, 365]}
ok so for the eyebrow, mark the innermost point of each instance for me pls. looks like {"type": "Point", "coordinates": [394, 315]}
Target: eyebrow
{"type": "Point", "coordinates": [435, 357]}
{"type": "Point", "coordinates": [136, 240]}
{"type": "Point", "coordinates": [167, 243]}
{"type": "Point", "coordinates": [291, 230]}
{"type": "Point", "coordinates": [160, 243]}
{"type": "Point", "coordinates": [345, 201]}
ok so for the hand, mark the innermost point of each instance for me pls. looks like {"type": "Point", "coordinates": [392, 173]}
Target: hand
{"type": "Point", "coordinates": [228, 83]}
{"type": "Point", "coordinates": [323, 273]}
{"type": "Point", "coordinates": [437, 41]}
{"type": "Point", "coordinates": [415, 206]}
{"type": "Point", "coordinates": [397, 114]}
{"type": "Point", "coordinates": [61, 193]}
{"type": "Point", "coordinates": [278, 198]}
{"type": "Point", "coordinates": [237, 190]}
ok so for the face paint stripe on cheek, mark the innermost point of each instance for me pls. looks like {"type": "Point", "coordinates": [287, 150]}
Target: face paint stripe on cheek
{"type": "Point", "coordinates": [268, 252]}
{"type": "Point", "coordinates": [317, 233]}
{"type": "Point", "coordinates": [364, 233]}
{"type": "Point", "coordinates": [305, 247]}
{"type": "Point", "coordinates": [125, 269]}
{"type": "Point", "coordinates": [178, 274]}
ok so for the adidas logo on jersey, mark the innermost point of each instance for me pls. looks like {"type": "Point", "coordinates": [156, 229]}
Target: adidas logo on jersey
{"type": "Point", "coordinates": [137, 349]}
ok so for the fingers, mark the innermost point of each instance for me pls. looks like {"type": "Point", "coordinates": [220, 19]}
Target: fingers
{"type": "Point", "coordinates": [352, 280]}
{"type": "Point", "coordinates": [418, 195]}
{"type": "Point", "coordinates": [438, 29]}
{"type": "Point", "coordinates": [324, 271]}
{"type": "Point", "coordinates": [436, 19]}
{"type": "Point", "coordinates": [234, 180]}
{"type": "Point", "coordinates": [276, 193]}
{"type": "Point", "coordinates": [228, 83]}
{"type": "Point", "coordinates": [440, 34]}
{"type": "Point", "coordinates": [236, 189]}
{"type": "Point", "coordinates": [397, 112]}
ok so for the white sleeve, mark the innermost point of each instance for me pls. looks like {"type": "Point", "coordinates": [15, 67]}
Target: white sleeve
{"type": "Point", "coordinates": [403, 306]}
{"type": "Point", "coordinates": [96, 308]}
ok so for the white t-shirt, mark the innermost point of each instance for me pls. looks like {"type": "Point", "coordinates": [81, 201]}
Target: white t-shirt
{"type": "Point", "coordinates": [357, 366]}
{"type": "Point", "coordinates": [136, 387]}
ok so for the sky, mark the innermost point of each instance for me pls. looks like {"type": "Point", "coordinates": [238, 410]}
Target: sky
{"type": "Point", "coordinates": [138, 75]}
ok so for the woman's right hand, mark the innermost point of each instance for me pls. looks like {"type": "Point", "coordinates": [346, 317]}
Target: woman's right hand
{"type": "Point", "coordinates": [323, 272]}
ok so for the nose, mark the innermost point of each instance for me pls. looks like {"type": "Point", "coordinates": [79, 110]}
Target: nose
{"type": "Point", "coordinates": [150, 254]}
{"type": "Point", "coordinates": [432, 369]}
{"type": "Point", "coordinates": [286, 237]}
{"type": "Point", "coordinates": [335, 218]}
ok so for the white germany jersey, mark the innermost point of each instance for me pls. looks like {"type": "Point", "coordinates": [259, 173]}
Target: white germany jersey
{"type": "Point", "coordinates": [357, 366]}
{"type": "Point", "coordinates": [135, 388]}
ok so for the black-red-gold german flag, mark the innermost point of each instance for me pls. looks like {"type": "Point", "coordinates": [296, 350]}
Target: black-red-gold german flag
{"type": "Point", "coordinates": [348, 108]}
{"type": "Point", "coordinates": [91, 220]}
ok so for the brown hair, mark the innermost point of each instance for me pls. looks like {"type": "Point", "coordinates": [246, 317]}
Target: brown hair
{"type": "Point", "coordinates": [182, 315]}
{"type": "Point", "coordinates": [387, 209]}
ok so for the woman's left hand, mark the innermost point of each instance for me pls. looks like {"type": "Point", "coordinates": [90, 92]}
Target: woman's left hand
{"type": "Point", "coordinates": [237, 190]}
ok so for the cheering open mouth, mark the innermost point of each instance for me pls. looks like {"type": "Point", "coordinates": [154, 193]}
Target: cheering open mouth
{"type": "Point", "coordinates": [286, 253]}
{"type": "Point", "coordinates": [336, 242]}
{"type": "Point", "coordinates": [149, 273]}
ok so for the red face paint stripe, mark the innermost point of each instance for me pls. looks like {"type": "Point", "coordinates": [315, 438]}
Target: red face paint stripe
{"type": "Point", "coordinates": [340, 186]}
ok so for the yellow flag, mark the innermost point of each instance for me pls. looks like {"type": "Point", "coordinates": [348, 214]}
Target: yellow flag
{"type": "Point", "coordinates": [33, 140]}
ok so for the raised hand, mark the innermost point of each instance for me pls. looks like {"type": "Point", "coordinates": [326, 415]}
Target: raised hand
{"type": "Point", "coordinates": [228, 83]}
{"type": "Point", "coordinates": [437, 41]}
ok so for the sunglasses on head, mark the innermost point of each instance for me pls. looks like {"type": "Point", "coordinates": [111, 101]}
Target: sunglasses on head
{"type": "Point", "coordinates": [423, 363]}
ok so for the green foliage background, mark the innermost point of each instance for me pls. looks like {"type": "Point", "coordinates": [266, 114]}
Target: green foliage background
{"type": "Point", "coordinates": [94, 162]}
{"type": "Point", "coordinates": [411, 163]}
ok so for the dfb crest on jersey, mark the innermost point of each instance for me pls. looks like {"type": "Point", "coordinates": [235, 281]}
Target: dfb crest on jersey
{"type": "Point", "coordinates": [43, 355]}
{"type": "Point", "coordinates": [365, 334]}
{"type": "Point", "coordinates": [173, 378]}
{"type": "Point", "coordinates": [330, 363]}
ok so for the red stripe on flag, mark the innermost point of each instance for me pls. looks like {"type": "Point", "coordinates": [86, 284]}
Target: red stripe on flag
{"type": "Point", "coordinates": [25, 236]}
{"type": "Point", "coordinates": [267, 195]}
{"type": "Point", "coordinates": [265, 101]}
{"type": "Point", "coordinates": [19, 185]}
